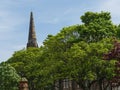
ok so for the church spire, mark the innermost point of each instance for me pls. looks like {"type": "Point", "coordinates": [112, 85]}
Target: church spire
{"type": "Point", "coordinates": [32, 40]}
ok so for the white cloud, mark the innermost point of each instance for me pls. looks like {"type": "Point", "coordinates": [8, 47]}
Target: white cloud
{"type": "Point", "coordinates": [5, 55]}
{"type": "Point", "coordinates": [40, 43]}
{"type": "Point", "coordinates": [6, 52]}
{"type": "Point", "coordinates": [51, 21]}
{"type": "Point", "coordinates": [68, 11]}
{"type": "Point", "coordinates": [10, 20]}
{"type": "Point", "coordinates": [18, 47]}
{"type": "Point", "coordinates": [112, 6]}
{"type": "Point", "coordinates": [60, 16]}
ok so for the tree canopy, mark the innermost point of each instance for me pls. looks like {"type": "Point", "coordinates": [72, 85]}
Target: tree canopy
{"type": "Point", "coordinates": [75, 53]}
{"type": "Point", "coordinates": [9, 77]}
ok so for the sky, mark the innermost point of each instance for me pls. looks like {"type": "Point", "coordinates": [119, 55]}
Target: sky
{"type": "Point", "coordinates": [50, 16]}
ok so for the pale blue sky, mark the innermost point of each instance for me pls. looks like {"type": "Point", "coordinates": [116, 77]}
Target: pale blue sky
{"type": "Point", "coordinates": [50, 17]}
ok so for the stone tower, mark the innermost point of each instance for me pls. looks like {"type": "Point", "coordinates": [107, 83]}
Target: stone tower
{"type": "Point", "coordinates": [32, 40]}
{"type": "Point", "coordinates": [23, 84]}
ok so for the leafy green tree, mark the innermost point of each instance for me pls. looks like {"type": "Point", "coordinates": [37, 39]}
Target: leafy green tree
{"type": "Point", "coordinates": [82, 62]}
{"type": "Point", "coordinates": [97, 26]}
{"type": "Point", "coordinates": [33, 64]}
{"type": "Point", "coordinates": [9, 77]}
{"type": "Point", "coordinates": [23, 61]}
{"type": "Point", "coordinates": [86, 65]}
{"type": "Point", "coordinates": [74, 53]}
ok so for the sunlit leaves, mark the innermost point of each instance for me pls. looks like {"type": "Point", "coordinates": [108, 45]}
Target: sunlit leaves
{"type": "Point", "coordinates": [9, 77]}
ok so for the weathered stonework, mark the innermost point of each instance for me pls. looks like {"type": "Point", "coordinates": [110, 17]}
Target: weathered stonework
{"type": "Point", "coordinates": [23, 84]}
{"type": "Point", "coordinates": [32, 40]}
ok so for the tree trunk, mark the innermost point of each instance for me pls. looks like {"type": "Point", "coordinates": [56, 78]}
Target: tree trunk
{"type": "Point", "coordinates": [60, 84]}
{"type": "Point", "coordinates": [74, 85]}
{"type": "Point", "coordinates": [100, 85]}
{"type": "Point", "coordinates": [86, 88]}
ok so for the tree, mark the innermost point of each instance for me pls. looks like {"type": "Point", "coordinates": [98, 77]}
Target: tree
{"type": "Point", "coordinates": [9, 77]}
{"type": "Point", "coordinates": [74, 53]}
{"type": "Point", "coordinates": [97, 26]}
{"type": "Point", "coordinates": [33, 64]}
{"type": "Point", "coordinates": [86, 65]}
{"type": "Point", "coordinates": [23, 60]}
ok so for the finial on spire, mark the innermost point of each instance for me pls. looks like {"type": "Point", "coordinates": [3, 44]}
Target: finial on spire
{"type": "Point", "coordinates": [32, 40]}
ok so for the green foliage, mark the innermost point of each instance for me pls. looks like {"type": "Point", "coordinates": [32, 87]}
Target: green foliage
{"type": "Point", "coordinates": [118, 31]}
{"type": "Point", "coordinates": [9, 77]}
{"type": "Point", "coordinates": [86, 65]}
{"type": "Point", "coordinates": [93, 17]}
{"type": "Point", "coordinates": [97, 26]}
{"type": "Point", "coordinates": [75, 53]}
{"type": "Point", "coordinates": [24, 60]}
